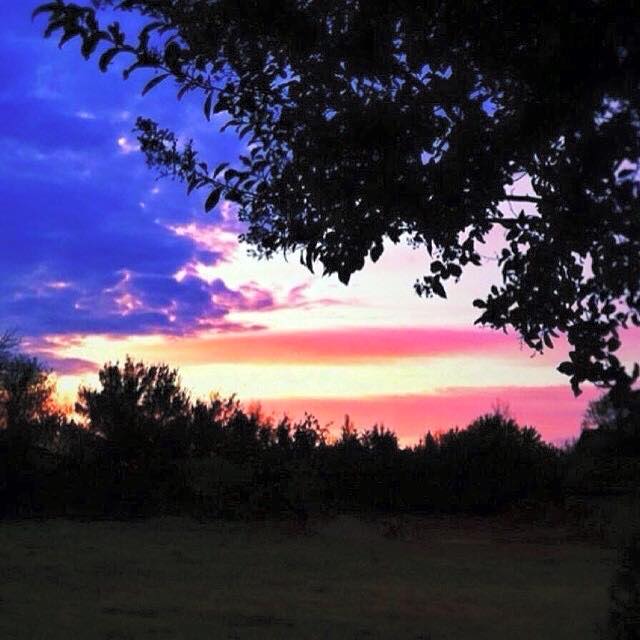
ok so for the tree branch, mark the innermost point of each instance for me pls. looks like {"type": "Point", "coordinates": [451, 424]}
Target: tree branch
{"type": "Point", "coordinates": [513, 198]}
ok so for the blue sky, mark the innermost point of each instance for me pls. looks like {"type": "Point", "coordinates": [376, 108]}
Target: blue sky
{"type": "Point", "coordinates": [85, 221]}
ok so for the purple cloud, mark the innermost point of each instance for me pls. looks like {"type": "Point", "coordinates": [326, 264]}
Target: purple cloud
{"type": "Point", "coordinates": [67, 366]}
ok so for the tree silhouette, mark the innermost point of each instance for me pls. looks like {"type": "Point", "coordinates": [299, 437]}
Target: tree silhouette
{"type": "Point", "coordinates": [416, 120]}
{"type": "Point", "coordinates": [8, 342]}
{"type": "Point", "coordinates": [206, 427]}
{"type": "Point", "coordinates": [137, 408]}
{"type": "Point", "coordinates": [26, 392]}
{"type": "Point", "coordinates": [610, 425]}
{"type": "Point", "coordinates": [30, 424]}
{"type": "Point", "coordinates": [494, 462]}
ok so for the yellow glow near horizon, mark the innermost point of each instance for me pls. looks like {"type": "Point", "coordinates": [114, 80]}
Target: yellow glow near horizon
{"type": "Point", "coordinates": [407, 376]}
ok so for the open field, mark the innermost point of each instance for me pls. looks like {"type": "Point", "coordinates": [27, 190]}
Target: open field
{"type": "Point", "coordinates": [180, 579]}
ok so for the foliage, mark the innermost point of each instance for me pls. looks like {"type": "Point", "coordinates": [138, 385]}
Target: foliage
{"type": "Point", "coordinates": [617, 411]}
{"type": "Point", "coordinates": [26, 392]}
{"type": "Point", "coordinates": [368, 123]}
{"type": "Point", "coordinates": [8, 342]}
{"type": "Point", "coordinates": [138, 407]}
{"type": "Point", "coordinates": [29, 424]}
{"type": "Point", "coordinates": [494, 462]}
{"type": "Point", "coordinates": [146, 448]}
{"type": "Point", "coordinates": [605, 460]}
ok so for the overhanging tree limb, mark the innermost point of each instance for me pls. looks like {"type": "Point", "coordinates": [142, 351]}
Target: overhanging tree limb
{"type": "Point", "coordinates": [364, 126]}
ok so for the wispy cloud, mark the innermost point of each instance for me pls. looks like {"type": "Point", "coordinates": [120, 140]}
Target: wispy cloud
{"type": "Point", "coordinates": [66, 366]}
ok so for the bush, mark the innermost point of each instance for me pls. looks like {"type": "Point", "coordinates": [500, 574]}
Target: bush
{"type": "Point", "coordinates": [491, 464]}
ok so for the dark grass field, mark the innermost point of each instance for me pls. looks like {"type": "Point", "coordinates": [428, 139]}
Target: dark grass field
{"type": "Point", "coordinates": [343, 578]}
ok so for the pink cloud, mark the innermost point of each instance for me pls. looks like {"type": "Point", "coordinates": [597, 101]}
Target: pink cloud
{"type": "Point", "coordinates": [552, 410]}
{"type": "Point", "coordinates": [226, 326]}
{"type": "Point", "coordinates": [297, 299]}
{"type": "Point", "coordinates": [215, 238]}
{"type": "Point", "coordinates": [248, 297]}
{"type": "Point", "coordinates": [341, 345]}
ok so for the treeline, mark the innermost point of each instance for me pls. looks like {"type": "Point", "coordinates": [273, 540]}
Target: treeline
{"type": "Point", "coordinates": [144, 447]}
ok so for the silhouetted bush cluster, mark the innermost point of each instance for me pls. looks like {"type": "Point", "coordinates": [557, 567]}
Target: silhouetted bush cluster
{"type": "Point", "coordinates": [145, 448]}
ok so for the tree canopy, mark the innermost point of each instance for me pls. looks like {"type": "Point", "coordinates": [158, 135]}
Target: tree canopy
{"type": "Point", "coordinates": [394, 120]}
{"type": "Point", "coordinates": [26, 388]}
{"type": "Point", "coordinates": [136, 404]}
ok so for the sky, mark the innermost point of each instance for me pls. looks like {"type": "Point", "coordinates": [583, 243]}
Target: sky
{"type": "Point", "coordinates": [98, 260]}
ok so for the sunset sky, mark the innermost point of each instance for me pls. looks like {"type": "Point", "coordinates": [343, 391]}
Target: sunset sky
{"type": "Point", "coordinates": [99, 260]}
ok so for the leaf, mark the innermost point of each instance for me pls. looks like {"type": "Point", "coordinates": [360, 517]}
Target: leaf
{"type": "Point", "coordinates": [182, 91]}
{"type": "Point", "coordinates": [213, 198]}
{"type": "Point", "coordinates": [53, 26]}
{"type": "Point", "coordinates": [68, 35]}
{"type": "Point", "coordinates": [376, 251]}
{"type": "Point", "coordinates": [154, 82]}
{"type": "Point", "coordinates": [220, 167]}
{"type": "Point", "coordinates": [437, 288]}
{"type": "Point", "coordinates": [89, 45]}
{"type": "Point", "coordinates": [575, 387]}
{"type": "Point", "coordinates": [43, 8]}
{"type": "Point", "coordinates": [455, 270]}
{"type": "Point", "coordinates": [548, 341]}
{"type": "Point", "coordinates": [221, 105]}
{"type": "Point", "coordinates": [613, 344]}
{"type": "Point", "coordinates": [127, 72]}
{"type": "Point", "coordinates": [344, 276]}
{"type": "Point", "coordinates": [567, 368]}
{"type": "Point", "coordinates": [309, 258]}
{"type": "Point", "coordinates": [107, 57]}
{"type": "Point", "coordinates": [207, 106]}
{"type": "Point", "coordinates": [193, 183]}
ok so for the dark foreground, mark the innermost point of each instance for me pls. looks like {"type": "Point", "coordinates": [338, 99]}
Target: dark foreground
{"type": "Point", "coordinates": [343, 578]}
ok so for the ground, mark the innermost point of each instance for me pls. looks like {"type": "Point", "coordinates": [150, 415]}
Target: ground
{"type": "Point", "coordinates": [430, 578]}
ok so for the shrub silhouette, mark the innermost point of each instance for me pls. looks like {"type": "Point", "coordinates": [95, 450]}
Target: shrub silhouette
{"type": "Point", "coordinates": [611, 424]}
{"type": "Point", "coordinates": [494, 462]}
{"type": "Point", "coordinates": [139, 408]}
{"type": "Point", "coordinates": [26, 391]}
